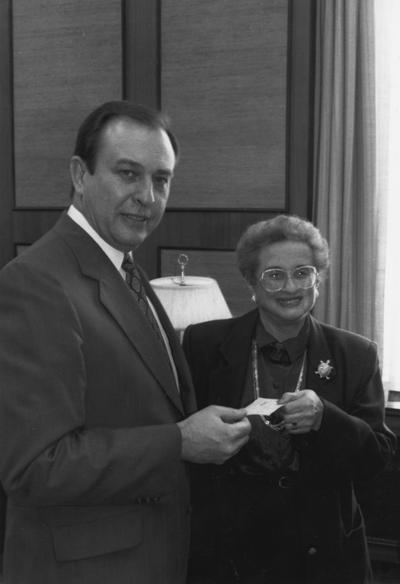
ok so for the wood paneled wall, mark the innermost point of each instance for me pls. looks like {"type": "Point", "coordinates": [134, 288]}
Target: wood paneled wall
{"type": "Point", "coordinates": [235, 78]}
{"type": "Point", "coordinates": [67, 59]}
{"type": "Point", "coordinates": [234, 75]}
{"type": "Point", "coordinates": [224, 82]}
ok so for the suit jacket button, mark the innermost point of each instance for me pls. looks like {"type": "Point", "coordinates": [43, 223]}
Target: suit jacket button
{"type": "Point", "coordinates": [312, 551]}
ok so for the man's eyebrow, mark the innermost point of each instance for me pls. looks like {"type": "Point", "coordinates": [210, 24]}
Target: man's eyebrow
{"type": "Point", "coordinates": [165, 172]}
{"type": "Point", "coordinates": [130, 162]}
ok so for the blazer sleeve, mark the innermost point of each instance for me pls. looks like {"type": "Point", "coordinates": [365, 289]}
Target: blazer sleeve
{"type": "Point", "coordinates": [353, 440]}
{"type": "Point", "coordinates": [49, 455]}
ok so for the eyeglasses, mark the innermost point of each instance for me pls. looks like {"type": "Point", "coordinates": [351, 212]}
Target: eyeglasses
{"type": "Point", "coordinates": [275, 279]}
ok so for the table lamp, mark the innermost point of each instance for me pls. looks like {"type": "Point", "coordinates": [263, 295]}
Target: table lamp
{"type": "Point", "coordinates": [190, 299]}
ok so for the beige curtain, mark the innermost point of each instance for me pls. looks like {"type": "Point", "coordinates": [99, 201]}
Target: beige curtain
{"type": "Point", "coordinates": [346, 206]}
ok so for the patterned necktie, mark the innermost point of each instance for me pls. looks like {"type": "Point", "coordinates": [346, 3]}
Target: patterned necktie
{"type": "Point", "coordinates": [134, 281]}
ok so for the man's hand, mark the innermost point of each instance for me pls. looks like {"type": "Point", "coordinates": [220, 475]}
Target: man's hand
{"type": "Point", "coordinates": [302, 411]}
{"type": "Point", "coordinates": [214, 434]}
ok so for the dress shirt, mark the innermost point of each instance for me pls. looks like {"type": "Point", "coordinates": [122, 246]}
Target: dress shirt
{"type": "Point", "coordinates": [267, 449]}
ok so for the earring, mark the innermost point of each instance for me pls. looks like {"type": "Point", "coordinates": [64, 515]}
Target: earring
{"type": "Point", "coordinates": [253, 298]}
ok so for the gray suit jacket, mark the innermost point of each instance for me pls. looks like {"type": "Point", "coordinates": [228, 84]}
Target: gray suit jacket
{"type": "Point", "coordinates": [97, 491]}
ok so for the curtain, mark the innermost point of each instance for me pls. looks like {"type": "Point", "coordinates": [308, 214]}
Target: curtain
{"type": "Point", "coordinates": [347, 209]}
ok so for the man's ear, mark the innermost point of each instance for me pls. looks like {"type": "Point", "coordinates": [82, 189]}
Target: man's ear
{"type": "Point", "coordinates": [77, 169]}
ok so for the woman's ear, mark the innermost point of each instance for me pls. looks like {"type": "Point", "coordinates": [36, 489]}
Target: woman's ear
{"type": "Point", "coordinates": [317, 284]}
{"type": "Point", "coordinates": [252, 290]}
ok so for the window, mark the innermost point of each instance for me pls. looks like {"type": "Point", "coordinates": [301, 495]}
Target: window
{"type": "Point", "coordinates": [387, 47]}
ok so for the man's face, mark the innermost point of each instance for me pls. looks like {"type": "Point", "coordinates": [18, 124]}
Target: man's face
{"type": "Point", "coordinates": [125, 197]}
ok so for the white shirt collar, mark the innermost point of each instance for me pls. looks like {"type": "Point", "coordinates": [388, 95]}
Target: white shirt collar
{"type": "Point", "coordinates": [115, 255]}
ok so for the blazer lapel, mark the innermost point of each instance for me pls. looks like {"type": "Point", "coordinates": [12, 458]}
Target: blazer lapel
{"type": "Point", "coordinates": [228, 380]}
{"type": "Point", "coordinates": [117, 300]}
{"type": "Point", "coordinates": [320, 352]}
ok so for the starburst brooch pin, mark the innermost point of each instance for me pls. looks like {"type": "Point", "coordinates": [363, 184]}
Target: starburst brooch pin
{"type": "Point", "coordinates": [325, 370]}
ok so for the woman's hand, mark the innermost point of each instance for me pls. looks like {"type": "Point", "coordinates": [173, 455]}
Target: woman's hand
{"type": "Point", "coordinates": [302, 411]}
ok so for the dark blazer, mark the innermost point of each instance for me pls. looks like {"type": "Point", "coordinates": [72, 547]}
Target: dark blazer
{"type": "Point", "coordinates": [90, 449]}
{"type": "Point", "coordinates": [352, 443]}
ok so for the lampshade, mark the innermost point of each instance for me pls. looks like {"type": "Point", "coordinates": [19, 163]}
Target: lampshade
{"type": "Point", "coordinates": [196, 300]}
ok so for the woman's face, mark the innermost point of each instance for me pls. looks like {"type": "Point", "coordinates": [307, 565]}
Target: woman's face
{"type": "Point", "coordinates": [290, 305]}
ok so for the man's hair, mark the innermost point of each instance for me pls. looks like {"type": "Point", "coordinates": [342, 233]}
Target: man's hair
{"type": "Point", "coordinates": [280, 228]}
{"type": "Point", "coordinates": [91, 129]}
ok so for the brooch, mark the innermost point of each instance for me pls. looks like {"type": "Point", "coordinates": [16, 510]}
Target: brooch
{"type": "Point", "coordinates": [324, 369]}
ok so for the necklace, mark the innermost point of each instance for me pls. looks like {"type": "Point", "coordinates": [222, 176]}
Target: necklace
{"type": "Point", "coordinates": [255, 377]}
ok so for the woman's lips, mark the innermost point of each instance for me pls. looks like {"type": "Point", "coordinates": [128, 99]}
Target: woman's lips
{"type": "Point", "coordinates": [288, 302]}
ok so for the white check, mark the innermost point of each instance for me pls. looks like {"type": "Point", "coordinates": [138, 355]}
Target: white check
{"type": "Point", "coordinates": [262, 406]}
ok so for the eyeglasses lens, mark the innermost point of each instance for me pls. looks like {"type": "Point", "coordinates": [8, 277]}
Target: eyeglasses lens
{"type": "Point", "coordinates": [275, 279]}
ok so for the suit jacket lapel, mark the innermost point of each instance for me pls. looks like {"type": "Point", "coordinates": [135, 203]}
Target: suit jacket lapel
{"type": "Point", "coordinates": [228, 380]}
{"type": "Point", "coordinates": [185, 379]}
{"type": "Point", "coordinates": [117, 299]}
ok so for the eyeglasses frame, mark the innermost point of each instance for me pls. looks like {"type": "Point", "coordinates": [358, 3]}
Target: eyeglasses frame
{"type": "Point", "coordinates": [288, 276]}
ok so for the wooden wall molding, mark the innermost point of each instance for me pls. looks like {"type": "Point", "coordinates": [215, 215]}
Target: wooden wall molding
{"type": "Point", "coordinates": [6, 141]}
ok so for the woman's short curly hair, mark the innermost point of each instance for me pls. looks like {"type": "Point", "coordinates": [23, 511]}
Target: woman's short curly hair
{"type": "Point", "coordinates": [280, 228]}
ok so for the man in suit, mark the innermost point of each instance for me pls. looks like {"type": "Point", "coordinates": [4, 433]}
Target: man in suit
{"type": "Point", "coordinates": [96, 403]}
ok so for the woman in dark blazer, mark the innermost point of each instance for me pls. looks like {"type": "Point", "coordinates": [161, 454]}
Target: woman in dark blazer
{"type": "Point", "coordinates": [283, 510]}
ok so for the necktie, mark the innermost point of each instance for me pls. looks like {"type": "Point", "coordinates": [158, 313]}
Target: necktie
{"type": "Point", "coordinates": [134, 281]}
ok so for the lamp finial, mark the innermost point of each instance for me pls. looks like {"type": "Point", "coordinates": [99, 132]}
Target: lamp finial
{"type": "Point", "coordinates": [182, 261]}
